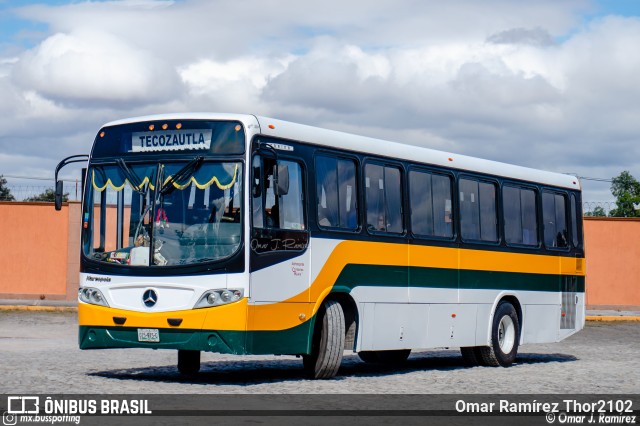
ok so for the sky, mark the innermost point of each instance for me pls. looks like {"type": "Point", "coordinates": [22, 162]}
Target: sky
{"type": "Point", "coordinates": [548, 84]}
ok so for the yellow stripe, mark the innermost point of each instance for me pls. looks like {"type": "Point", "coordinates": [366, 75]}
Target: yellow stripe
{"type": "Point", "coordinates": [301, 307]}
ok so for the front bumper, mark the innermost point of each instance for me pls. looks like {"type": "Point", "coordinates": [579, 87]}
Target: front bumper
{"type": "Point", "coordinates": [221, 329]}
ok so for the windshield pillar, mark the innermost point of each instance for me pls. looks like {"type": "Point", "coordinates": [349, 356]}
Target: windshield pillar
{"type": "Point", "coordinates": [119, 219]}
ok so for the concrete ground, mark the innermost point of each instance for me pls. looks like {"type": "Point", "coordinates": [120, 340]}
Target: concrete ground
{"type": "Point", "coordinates": [39, 354]}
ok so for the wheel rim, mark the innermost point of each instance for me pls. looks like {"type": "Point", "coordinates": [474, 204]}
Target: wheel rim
{"type": "Point", "coordinates": [506, 334]}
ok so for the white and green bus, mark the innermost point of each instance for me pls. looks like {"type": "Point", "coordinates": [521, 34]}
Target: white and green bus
{"type": "Point", "coordinates": [240, 234]}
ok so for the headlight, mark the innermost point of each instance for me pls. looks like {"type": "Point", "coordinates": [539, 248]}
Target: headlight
{"type": "Point", "coordinates": [92, 295]}
{"type": "Point", "coordinates": [219, 297]}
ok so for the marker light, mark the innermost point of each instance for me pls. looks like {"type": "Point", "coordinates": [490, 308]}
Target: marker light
{"type": "Point", "coordinates": [151, 127]}
{"type": "Point", "coordinates": [102, 134]}
{"type": "Point", "coordinates": [271, 126]}
{"type": "Point", "coordinates": [179, 126]}
{"type": "Point", "coordinates": [165, 126]}
{"type": "Point", "coordinates": [238, 127]}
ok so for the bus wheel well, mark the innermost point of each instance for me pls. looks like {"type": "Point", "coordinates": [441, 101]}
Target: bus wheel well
{"type": "Point", "coordinates": [516, 304]}
{"type": "Point", "coordinates": [350, 317]}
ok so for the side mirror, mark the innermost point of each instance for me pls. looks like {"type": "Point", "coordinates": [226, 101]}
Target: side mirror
{"type": "Point", "coordinates": [58, 195]}
{"type": "Point", "coordinates": [282, 179]}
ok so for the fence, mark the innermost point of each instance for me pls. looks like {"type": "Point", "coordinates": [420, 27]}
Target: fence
{"type": "Point", "coordinates": [18, 192]}
{"type": "Point", "coordinates": [598, 208]}
{"type": "Point", "coordinates": [74, 189]}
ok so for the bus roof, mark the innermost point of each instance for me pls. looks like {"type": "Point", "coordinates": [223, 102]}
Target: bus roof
{"type": "Point", "coordinates": [340, 140]}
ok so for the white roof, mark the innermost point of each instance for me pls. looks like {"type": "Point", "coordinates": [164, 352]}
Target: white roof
{"type": "Point", "coordinates": [340, 140]}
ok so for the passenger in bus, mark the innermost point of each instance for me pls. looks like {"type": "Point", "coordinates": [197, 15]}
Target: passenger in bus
{"type": "Point", "coordinates": [273, 217]}
{"type": "Point", "coordinates": [561, 239]}
{"type": "Point", "coordinates": [323, 219]}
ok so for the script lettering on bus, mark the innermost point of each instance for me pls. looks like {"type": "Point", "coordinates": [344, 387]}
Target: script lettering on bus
{"type": "Point", "coordinates": [170, 140]}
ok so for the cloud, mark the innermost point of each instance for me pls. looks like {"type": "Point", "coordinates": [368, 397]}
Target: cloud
{"type": "Point", "coordinates": [528, 83]}
{"type": "Point", "coordinates": [88, 66]}
{"type": "Point", "coordinates": [534, 37]}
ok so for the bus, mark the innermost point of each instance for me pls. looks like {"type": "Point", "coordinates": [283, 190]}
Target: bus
{"type": "Point", "coordinates": [240, 234]}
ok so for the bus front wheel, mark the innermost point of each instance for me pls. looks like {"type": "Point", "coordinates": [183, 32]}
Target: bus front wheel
{"type": "Point", "coordinates": [188, 362]}
{"type": "Point", "coordinates": [505, 337]}
{"type": "Point", "coordinates": [328, 342]}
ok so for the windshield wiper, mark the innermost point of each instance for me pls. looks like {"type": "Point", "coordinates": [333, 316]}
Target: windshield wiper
{"type": "Point", "coordinates": [189, 169]}
{"type": "Point", "coordinates": [132, 176]}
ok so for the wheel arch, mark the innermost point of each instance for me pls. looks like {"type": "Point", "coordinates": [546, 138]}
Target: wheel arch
{"type": "Point", "coordinates": [505, 297]}
{"type": "Point", "coordinates": [351, 316]}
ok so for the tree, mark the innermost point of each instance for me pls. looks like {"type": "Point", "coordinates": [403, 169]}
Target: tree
{"type": "Point", "coordinates": [48, 196]}
{"type": "Point", "coordinates": [626, 189]}
{"type": "Point", "coordinates": [598, 211]}
{"type": "Point", "coordinates": [5, 192]}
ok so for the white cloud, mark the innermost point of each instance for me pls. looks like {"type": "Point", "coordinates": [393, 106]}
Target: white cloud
{"type": "Point", "coordinates": [527, 83]}
{"type": "Point", "coordinates": [92, 66]}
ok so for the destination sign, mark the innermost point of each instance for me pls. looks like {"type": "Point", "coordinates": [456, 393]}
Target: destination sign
{"type": "Point", "coordinates": [171, 140]}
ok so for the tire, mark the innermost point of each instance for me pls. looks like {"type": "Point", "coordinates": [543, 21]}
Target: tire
{"type": "Point", "coordinates": [505, 337]}
{"type": "Point", "coordinates": [328, 343]}
{"type": "Point", "coordinates": [471, 356]}
{"type": "Point", "coordinates": [188, 362]}
{"type": "Point", "coordinates": [385, 357]}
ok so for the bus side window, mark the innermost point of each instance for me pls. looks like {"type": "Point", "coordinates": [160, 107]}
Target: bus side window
{"type": "Point", "coordinates": [335, 190]}
{"type": "Point", "coordinates": [478, 216]}
{"type": "Point", "coordinates": [383, 198]}
{"type": "Point", "coordinates": [520, 220]}
{"type": "Point", "coordinates": [575, 218]}
{"type": "Point", "coordinates": [430, 197]}
{"type": "Point", "coordinates": [278, 211]}
{"type": "Point", "coordinates": [555, 220]}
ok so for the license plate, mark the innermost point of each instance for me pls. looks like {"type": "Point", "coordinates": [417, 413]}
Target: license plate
{"type": "Point", "coordinates": [148, 335]}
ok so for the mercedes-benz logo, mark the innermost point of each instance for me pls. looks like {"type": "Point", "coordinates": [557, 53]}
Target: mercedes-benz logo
{"type": "Point", "coordinates": [149, 298]}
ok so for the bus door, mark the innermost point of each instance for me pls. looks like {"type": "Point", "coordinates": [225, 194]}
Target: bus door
{"type": "Point", "coordinates": [279, 259]}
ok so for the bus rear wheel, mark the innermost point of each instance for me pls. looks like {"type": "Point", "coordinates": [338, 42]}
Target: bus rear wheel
{"type": "Point", "coordinates": [505, 337]}
{"type": "Point", "coordinates": [385, 357]}
{"type": "Point", "coordinates": [328, 343]}
{"type": "Point", "coordinates": [188, 362]}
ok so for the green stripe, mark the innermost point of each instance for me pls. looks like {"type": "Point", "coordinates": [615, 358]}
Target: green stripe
{"type": "Point", "coordinates": [291, 341]}
{"type": "Point", "coordinates": [354, 275]}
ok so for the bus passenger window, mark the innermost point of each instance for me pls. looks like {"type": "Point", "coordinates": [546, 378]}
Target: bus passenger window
{"type": "Point", "coordinates": [335, 189]}
{"type": "Point", "coordinates": [575, 218]}
{"type": "Point", "coordinates": [520, 218]}
{"type": "Point", "coordinates": [555, 220]}
{"type": "Point", "coordinates": [384, 198]}
{"type": "Point", "coordinates": [478, 217]}
{"type": "Point", "coordinates": [430, 197]}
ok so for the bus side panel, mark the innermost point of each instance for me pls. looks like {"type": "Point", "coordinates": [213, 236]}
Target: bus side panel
{"type": "Point", "coordinates": [540, 323]}
{"type": "Point", "coordinates": [387, 326]}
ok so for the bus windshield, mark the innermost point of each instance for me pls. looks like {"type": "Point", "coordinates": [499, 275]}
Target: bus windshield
{"type": "Point", "coordinates": [188, 211]}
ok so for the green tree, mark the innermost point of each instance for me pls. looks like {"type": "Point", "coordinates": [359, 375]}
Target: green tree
{"type": "Point", "coordinates": [626, 189]}
{"type": "Point", "coordinates": [5, 192]}
{"type": "Point", "coordinates": [598, 211]}
{"type": "Point", "coordinates": [48, 196]}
